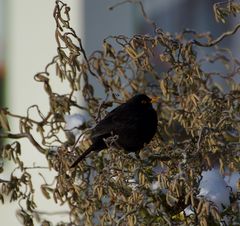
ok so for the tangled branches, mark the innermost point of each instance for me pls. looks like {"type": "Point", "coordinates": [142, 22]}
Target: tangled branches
{"type": "Point", "coordinates": [199, 128]}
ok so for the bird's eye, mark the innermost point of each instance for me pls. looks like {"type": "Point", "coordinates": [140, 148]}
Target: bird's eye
{"type": "Point", "coordinates": [144, 102]}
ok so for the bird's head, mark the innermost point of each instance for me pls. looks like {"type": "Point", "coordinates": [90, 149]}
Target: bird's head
{"type": "Point", "coordinates": [142, 99]}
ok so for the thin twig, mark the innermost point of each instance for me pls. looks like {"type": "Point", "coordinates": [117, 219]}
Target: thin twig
{"type": "Point", "coordinates": [4, 181]}
{"type": "Point", "coordinates": [217, 40]}
{"type": "Point", "coordinates": [144, 14]}
{"type": "Point", "coordinates": [125, 215]}
{"type": "Point", "coordinates": [24, 135]}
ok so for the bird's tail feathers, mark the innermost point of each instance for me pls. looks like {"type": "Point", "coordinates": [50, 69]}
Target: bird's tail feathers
{"type": "Point", "coordinates": [82, 156]}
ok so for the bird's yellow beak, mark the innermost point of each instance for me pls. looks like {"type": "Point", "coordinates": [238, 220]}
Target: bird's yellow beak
{"type": "Point", "coordinates": [154, 99]}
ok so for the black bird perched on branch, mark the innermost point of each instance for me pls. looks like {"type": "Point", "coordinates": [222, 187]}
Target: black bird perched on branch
{"type": "Point", "coordinates": [134, 123]}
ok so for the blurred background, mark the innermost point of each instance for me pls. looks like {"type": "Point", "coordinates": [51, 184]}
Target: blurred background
{"type": "Point", "coordinates": [27, 44]}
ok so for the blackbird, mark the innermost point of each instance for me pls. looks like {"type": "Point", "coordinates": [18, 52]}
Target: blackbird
{"type": "Point", "coordinates": [134, 123]}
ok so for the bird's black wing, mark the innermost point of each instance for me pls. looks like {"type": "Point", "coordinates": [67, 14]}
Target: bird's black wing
{"type": "Point", "coordinates": [107, 124]}
{"type": "Point", "coordinates": [114, 122]}
{"type": "Point", "coordinates": [120, 121]}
